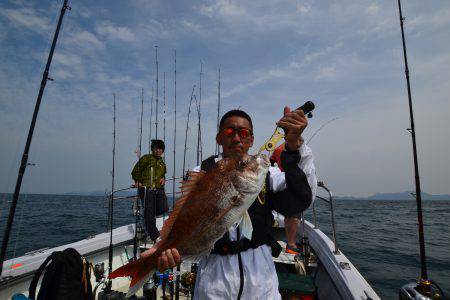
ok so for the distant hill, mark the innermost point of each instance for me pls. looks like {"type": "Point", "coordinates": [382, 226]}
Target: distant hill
{"type": "Point", "coordinates": [397, 196]}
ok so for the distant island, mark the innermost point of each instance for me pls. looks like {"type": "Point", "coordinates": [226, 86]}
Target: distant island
{"type": "Point", "coordinates": [397, 196]}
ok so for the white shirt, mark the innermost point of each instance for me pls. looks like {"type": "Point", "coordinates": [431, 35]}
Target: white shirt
{"type": "Point", "coordinates": [218, 276]}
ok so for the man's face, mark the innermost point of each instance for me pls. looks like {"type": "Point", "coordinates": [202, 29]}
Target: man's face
{"type": "Point", "coordinates": [157, 152]}
{"type": "Point", "coordinates": [232, 142]}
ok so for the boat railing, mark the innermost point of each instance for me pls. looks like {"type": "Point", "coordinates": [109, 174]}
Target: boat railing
{"type": "Point", "coordinates": [134, 187]}
{"type": "Point", "coordinates": [322, 185]}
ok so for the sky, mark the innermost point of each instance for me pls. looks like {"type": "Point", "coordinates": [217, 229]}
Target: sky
{"type": "Point", "coordinates": [345, 56]}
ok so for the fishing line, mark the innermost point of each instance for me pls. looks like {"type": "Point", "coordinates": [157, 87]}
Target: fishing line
{"type": "Point", "coordinates": [22, 204]}
{"type": "Point", "coordinates": [320, 128]}
{"type": "Point", "coordinates": [17, 234]}
{"type": "Point", "coordinates": [7, 186]}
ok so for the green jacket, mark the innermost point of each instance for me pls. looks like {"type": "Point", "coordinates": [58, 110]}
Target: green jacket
{"type": "Point", "coordinates": [149, 168]}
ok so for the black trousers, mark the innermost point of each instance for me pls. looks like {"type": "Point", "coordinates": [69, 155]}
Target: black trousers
{"type": "Point", "coordinates": [154, 203]}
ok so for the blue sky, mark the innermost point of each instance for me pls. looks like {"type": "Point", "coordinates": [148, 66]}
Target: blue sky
{"type": "Point", "coordinates": [343, 55]}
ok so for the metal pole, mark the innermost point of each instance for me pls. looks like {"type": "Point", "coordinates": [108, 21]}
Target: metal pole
{"type": "Point", "coordinates": [135, 244]}
{"type": "Point", "coordinates": [424, 275]}
{"type": "Point", "coordinates": [157, 90]}
{"type": "Point", "coordinates": [175, 130]}
{"type": "Point", "coordinates": [151, 117]}
{"type": "Point", "coordinates": [24, 161]}
{"type": "Point", "coordinates": [164, 109]}
{"type": "Point", "coordinates": [336, 248]}
{"type": "Point", "coordinates": [111, 203]}
{"type": "Point", "coordinates": [187, 129]}
{"type": "Point", "coordinates": [199, 131]}
{"type": "Point", "coordinates": [218, 110]}
{"type": "Point", "coordinates": [177, 283]}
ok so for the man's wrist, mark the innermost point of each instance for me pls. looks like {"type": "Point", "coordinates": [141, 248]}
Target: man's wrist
{"type": "Point", "coordinates": [293, 144]}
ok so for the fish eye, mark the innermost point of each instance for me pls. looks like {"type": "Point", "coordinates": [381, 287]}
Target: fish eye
{"type": "Point", "coordinates": [243, 164]}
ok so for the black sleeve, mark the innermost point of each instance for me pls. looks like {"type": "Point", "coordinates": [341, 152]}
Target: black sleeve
{"type": "Point", "coordinates": [297, 196]}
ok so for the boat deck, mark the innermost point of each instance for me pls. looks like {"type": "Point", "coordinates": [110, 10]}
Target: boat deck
{"type": "Point", "coordinates": [288, 268]}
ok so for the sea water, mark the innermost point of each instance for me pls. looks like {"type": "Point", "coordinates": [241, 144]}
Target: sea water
{"type": "Point", "coordinates": [379, 237]}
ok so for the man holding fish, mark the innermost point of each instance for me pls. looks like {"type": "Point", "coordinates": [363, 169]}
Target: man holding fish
{"type": "Point", "coordinates": [224, 217]}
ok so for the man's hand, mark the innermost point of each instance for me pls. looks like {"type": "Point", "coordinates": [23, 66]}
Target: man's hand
{"type": "Point", "coordinates": [293, 122]}
{"type": "Point", "coordinates": [169, 258]}
{"type": "Point", "coordinates": [162, 181]}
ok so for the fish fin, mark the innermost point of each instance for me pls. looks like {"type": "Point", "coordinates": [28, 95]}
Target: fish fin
{"type": "Point", "coordinates": [246, 226]}
{"type": "Point", "coordinates": [130, 269]}
{"type": "Point", "coordinates": [139, 284]}
{"type": "Point", "coordinates": [186, 187]}
{"type": "Point", "coordinates": [194, 177]}
{"type": "Point", "coordinates": [139, 270]}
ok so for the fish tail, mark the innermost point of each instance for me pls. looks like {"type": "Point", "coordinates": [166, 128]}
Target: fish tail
{"type": "Point", "coordinates": [139, 271]}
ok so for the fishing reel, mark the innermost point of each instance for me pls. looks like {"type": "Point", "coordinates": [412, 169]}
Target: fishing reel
{"type": "Point", "coordinates": [422, 290]}
{"type": "Point", "coordinates": [272, 142]}
{"type": "Point", "coordinates": [99, 271]}
{"type": "Point", "coordinates": [163, 278]}
{"type": "Point", "coordinates": [187, 279]}
{"type": "Point", "coordinates": [136, 208]}
{"type": "Point", "coordinates": [158, 279]}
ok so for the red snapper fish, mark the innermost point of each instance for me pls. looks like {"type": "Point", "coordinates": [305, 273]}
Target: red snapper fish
{"type": "Point", "coordinates": [211, 203]}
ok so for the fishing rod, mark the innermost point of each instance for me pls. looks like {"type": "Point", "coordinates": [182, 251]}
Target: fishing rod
{"type": "Point", "coordinates": [157, 91]}
{"type": "Point", "coordinates": [164, 109]}
{"type": "Point", "coordinates": [111, 202]}
{"type": "Point", "coordinates": [151, 118]}
{"type": "Point", "coordinates": [25, 155]}
{"type": "Point", "coordinates": [218, 110]}
{"type": "Point", "coordinates": [177, 285]}
{"type": "Point", "coordinates": [164, 126]}
{"type": "Point", "coordinates": [187, 129]}
{"type": "Point", "coordinates": [425, 286]}
{"type": "Point", "coordinates": [135, 240]}
{"type": "Point", "coordinates": [175, 127]}
{"type": "Point", "coordinates": [199, 131]}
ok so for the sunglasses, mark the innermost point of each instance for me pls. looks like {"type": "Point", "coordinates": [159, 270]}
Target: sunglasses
{"type": "Point", "coordinates": [242, 132]}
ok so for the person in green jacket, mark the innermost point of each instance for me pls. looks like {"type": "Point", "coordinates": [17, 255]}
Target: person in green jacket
{"type": "Point", "coordinates": [149, 177]}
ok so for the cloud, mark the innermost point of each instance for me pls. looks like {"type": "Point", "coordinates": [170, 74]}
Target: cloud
{"type": "Point", "coordinates": [153, 29]}
{"type": "Point", "coordinates": [106, 78]}
{"type": "Point", "coordinates": [66, 59]}
{"type": "Point", "coordinates": [437, 19]}
{"type": "Point", "coordinates": [224, 9]}
{"type": "Point", "coordinates": [111, 31]}
{"type": "Point", "coordinates": [303, 8]}
{"type": "Point", "coordinates": [86, 40]}
{"type": "Point", "coordinates": [26, 17]}
{"type": "Point", "coordinates": [373, 9]}
{"type": "Point", "coordinates": [287, 70]}
{"type": "Point", "coordinates": [325, 72]}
